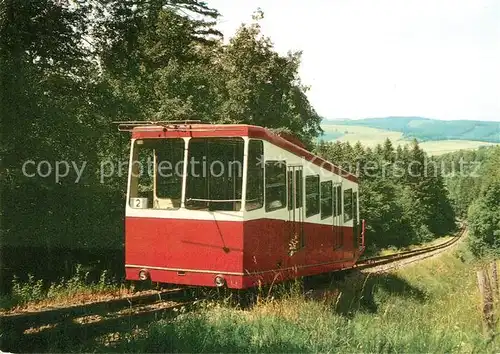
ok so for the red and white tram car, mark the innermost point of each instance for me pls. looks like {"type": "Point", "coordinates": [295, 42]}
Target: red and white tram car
{"type": "Point", "coordinates": [234, 205]}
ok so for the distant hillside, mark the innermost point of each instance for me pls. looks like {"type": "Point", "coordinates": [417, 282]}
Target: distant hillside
{"type": "Point", "coordinates": [425, 129]}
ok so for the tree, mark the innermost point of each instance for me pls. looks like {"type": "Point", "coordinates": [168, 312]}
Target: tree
{"type": "Point", "coordinates": [388, 151]}
{"type": "Point", "coordinates": [68, 70]}
{"type": "Point", "coordinates": [261, 87]}
{"type": "Point", "coordinates": [484, 212]}
{"type": "Point", "coordinates": [400, 210]}
{"type": "Point", "coordinates": [45, 86]}
{"type": "Point", "coordinates": [57, 102]}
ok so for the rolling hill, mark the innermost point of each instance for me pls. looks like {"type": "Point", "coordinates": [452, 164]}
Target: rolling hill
{"type": "Point", "coordinates": [426, 129]}
{"type": "Point", "coordinates": [435, 136]}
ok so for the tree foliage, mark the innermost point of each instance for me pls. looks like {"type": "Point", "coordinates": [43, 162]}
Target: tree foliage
{"type": "Point", "coordinates": [402, 194]}
{"type": "Point", "coordinates": [474, 184]}
{"type": "Point", "coordinates": [68, 69]}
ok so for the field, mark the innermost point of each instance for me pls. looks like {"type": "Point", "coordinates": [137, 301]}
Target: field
{"type": "Point", "coordinates": [368, 136]}
{"type": "Point", "coordinates": [372, 136]}
{"type": "Point", "coordinates": [444, 146]}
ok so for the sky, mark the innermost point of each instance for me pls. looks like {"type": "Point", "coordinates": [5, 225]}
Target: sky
{"type": "Point", "coordinates": [375, 58]}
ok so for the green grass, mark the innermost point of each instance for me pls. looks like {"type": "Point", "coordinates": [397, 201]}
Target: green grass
{"type": "Point", "coordinates": [33, 294]}
{"type": "Point", "coordinates": [432, 306]}
{"type": "Point", "coordinates": [370, 137]}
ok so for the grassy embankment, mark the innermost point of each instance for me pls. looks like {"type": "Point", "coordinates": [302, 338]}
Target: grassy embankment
{"type": "Point", "coordinates": [34, 294]}
{"type": "Point", "coordinates": [431, 306]}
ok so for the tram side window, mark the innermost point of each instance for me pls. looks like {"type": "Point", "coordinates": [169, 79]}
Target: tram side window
{"type": "Point", "coordinates": [255, 179]}
{"type": "Point", "coordinates": [312, 195]}
{"type": "Point", "coordinates": [154, 182]}
{"type": "Point", "coordinates": [326, 199]}
{"type": "Point", "coordinates": [334, 201]}
{"type": "Point", "coordinates": [339, 201]}
{"type": "Point", "coordinates": [355, 207]}
{"type": "Point", "coordinates": [296, 186]}
{"type": "Point", "coordinates": [355, 203]}
{"type": "Point", "coordinates": [275, 185]}
{"type": "Point", "coordinates": [348, 205]}
{"type": "Point", "coordinates": [300, 188]}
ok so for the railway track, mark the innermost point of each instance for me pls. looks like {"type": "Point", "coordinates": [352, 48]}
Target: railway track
{"type": "Point", "coordinates": [393, 259]}
{"type": "Point", "coordinates": [36, 331]}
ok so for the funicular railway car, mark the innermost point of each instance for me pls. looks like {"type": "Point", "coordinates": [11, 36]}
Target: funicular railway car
{"type": "Point", "coordinates": [234, 205]}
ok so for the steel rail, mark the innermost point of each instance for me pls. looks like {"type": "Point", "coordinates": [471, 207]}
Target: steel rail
{"type": "Point", "coordinates": [381, 260]}
{"type": "Point", "coordinates": [25, 320]}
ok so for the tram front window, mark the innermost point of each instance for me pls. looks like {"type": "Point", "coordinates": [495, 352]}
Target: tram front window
{"type": "Point", "coordinates": [214, 174]}
{"type": "Point", "coordinates": [156, 180]}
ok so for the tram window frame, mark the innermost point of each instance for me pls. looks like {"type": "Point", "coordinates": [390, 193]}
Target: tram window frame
{"type": "Point", "coordinates": [299, 193]}
{"type": "Point", "coordinates": [339, 200]}
{"type": "Point", "coordinates": [355, 204]}
{"type": "Point", "coordinates": [170, 179]}
{"type": "Point", "coordinates": [206, 190]}
{"type": "Point", "coordinates": [298, 186]}
{"type": "Point", "coordinates": [289, 181]}
{"type": "Point", "coordinates": [348, 199]}
{"type": "Point", "coordinates": [312, 184]}
{"type": "Point", "coordinates": [334, 201]}
{"type": "Point", "coordinates": [326, 200]}
{"type": "Point", "coordinates": [148, 184]}
{"type": "Point", "coordinates": [271, 167]}
{"type": "Point", "coordinates": [255, 175]}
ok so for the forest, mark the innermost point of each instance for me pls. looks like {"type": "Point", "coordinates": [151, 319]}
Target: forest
{"type": "Point", "coordinates": [69, 69]}
{"type": "Point", "coordinates": [408, 197]}
{"type": "Point", "coordinates": [475, 195]}
{"type": "Point", "coordinates": [402, 195]}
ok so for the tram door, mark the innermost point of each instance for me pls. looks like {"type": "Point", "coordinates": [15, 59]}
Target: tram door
{"type": "Point", "coordinates": [295, 209]}
{"type": "Point", "coordinates": [355, 221]}
{"type": "Point", "coordinates": [338, 217]}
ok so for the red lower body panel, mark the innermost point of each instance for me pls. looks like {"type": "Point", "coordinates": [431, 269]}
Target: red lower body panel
{"type": "Point", "coordinates": [245, 254]}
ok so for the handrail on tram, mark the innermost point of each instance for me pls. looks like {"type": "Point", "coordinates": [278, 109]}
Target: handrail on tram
{"type": "Point", "coordinates": [213, 200]}
{"type": "Point", "coordinates": [130, 125]}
